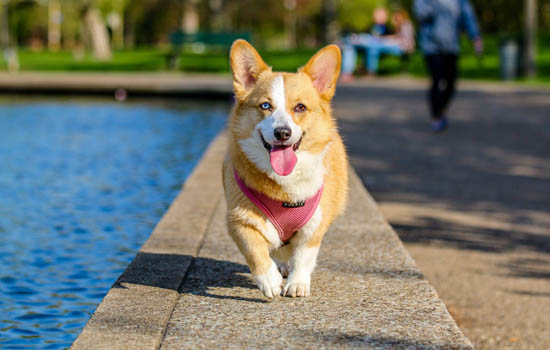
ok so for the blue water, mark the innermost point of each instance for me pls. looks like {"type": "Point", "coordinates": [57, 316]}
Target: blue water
{"type": "Point", "coordinates": [82, 185]}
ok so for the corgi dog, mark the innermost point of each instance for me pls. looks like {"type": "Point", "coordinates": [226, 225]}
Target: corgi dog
{"type": "Point", "coordinates": [285, 173]}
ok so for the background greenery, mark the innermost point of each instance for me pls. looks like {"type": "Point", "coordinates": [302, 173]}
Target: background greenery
{"type": "Point", "coordinates": [147, 25]}
{"type": "Point", "coordinates": [216, 61]}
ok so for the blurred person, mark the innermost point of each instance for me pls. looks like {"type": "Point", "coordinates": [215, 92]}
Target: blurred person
{"type": "Point", "coordinates": [380, 22]}
{"type": "Point", "coordinates": [441, 22]}
{"type": "Point", "coordinates": [398, 44]}
{"type": "Point", "coordinates": [378, 29]}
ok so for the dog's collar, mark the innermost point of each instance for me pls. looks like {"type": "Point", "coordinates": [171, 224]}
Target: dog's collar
{"type": "Point", "coordinates": [286, 217]}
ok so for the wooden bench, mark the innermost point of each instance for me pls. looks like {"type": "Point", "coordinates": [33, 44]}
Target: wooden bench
{"type": "Point", "coordinates": [200, 41]}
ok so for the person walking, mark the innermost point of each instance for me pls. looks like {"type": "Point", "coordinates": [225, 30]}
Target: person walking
{"type": "Point", "coordinates": [441, 23]}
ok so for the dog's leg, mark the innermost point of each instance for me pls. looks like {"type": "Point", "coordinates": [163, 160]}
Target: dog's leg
{"type": "Point", "coordinates": [301, 265]}
{"type": "Point", "coordinates": [305, 247]}
{"type": "Point", "coordinates": [255, 249]}
{"type": "Point", "coordinates": [281, 256]}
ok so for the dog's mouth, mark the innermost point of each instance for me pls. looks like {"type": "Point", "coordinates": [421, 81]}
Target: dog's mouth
{"type": "Point", "coordinates": [269, 146]}
{"type": "Point", "coordinates": [282, 157]}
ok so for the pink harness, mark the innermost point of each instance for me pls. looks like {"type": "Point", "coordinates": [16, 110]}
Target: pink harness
{"type": "Point", "coordinates": [286, 217]}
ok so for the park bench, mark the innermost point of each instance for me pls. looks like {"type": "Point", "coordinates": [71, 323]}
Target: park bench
{"type": "Point", "coordinates": [200, 41]}
{"type": "Point", "coordinates": [404, 62]}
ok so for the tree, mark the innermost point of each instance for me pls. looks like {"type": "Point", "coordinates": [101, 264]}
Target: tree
{"type": "Point", "coordinates": [356, 15]}
{"type": "Point", "coordinates": [530, 37]}
{"type": "Point", "coordinates": [4, 27]}
{"type": "Point", "coordinates": [97, 31]}
{"type": "Point", "coordinates": [54, 24]}
{"type": "Point", "coordinates": [330, 23]}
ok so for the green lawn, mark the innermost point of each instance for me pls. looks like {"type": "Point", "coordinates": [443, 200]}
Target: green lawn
{"type": "Point", "coordinates": [485, 67]}
{"type": "Point", "coordinates": [153, 59]}
{"type": "Point", "coordinates": [149, 59]}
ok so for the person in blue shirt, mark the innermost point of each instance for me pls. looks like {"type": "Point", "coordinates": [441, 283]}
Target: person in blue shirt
{"type": "Point", "coordinates": [441, 22]}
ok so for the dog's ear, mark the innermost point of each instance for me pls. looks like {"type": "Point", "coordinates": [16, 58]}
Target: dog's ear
{"type": "Point", "coordinates": [323, 69]}
{"type": "Point", "coordinates": [246, 66]}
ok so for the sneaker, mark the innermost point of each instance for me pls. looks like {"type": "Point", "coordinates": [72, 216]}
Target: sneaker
{"type": "Point", "coordinates": [440, 125]}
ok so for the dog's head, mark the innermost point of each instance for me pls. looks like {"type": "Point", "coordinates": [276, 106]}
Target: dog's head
{"type": "Point", "coordinates": [280, 116]}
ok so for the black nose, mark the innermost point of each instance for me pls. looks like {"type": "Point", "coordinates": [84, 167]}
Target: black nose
{"type": "Point", "coordinates": [282, 134]}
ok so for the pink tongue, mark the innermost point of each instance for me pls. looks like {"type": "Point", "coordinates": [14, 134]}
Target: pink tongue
{"type": "Point", "coordinates": [283, 160]}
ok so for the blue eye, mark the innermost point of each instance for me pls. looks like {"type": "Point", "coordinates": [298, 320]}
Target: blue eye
{"type": "Point", "coordinates": [266, 106]}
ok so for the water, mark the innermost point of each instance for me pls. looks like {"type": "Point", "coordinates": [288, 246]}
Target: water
{"type": "Point", "coordinates": [82, 185]}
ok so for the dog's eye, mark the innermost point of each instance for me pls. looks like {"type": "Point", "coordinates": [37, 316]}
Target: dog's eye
{"type": "Point", "coordinates": [300, 108]}
{"type": "Point", "coordinates": [266, 106]}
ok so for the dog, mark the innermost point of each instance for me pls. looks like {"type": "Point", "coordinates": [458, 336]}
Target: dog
{"type": "Point", "coordinates": [285, 173]}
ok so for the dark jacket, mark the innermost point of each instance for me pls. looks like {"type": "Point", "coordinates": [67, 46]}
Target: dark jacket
{"type": "Point", "coordinates": [441, 22]}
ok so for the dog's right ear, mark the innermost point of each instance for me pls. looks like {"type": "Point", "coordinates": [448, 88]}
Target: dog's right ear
{"type": "Point", "coordinates": [246, 66]}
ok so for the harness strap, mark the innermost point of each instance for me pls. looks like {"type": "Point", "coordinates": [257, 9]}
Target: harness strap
{"type": "Point", "coordinates": [286, 217]}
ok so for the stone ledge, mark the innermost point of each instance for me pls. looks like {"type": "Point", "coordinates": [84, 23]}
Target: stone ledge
{"type": "Point", "coordinates": [190, 288]}
{"type": "Point", "coordinates": [148, 84]}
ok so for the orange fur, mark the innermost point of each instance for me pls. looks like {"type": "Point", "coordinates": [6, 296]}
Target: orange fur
{"type": "Point", "coordinates": [313, 85]}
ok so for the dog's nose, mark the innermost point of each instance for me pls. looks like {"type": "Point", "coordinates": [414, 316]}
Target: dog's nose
{"type": "Point", "coordinates": [282, 134]}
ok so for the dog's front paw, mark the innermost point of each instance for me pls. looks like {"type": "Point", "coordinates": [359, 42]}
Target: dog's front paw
{"type": "Point", "coordinates": [270, 283]}
{"type": "Point", "coordinates": [297, 286]}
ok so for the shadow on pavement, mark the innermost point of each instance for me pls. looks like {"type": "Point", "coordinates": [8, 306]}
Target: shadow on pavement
{"type": "Point", "coordinates": [530, 268]}
{"type": "Point", "coordinates": [187, 275]}
{"type": "Point", "coordinates": [493, 162]}
{"type": "Point", "coordinates": [528, 293]}
{"type": "Point", "coordinates": [336, 338]}
{"type": "Point", "coordinates": [429, 230]}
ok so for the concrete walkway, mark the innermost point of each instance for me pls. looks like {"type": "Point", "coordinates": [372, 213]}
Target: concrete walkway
{"type": "Point", "coordinates": [189, 288]}
{"type": "Point", "coordinates": [471, 205]}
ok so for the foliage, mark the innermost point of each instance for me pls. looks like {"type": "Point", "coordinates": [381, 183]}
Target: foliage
{"type": "Point", "coordinates": [150, 22]}
{"type": "Point", "coordinates": [147, 59]}
{"type": "Point", "coordinates": [502, 17]}
{"type": "Point", "coordinates": [27, 20]}
{"type": "Point", "coordinates": [357, 15]}
{"type": "Point", "coordinates": [507, 17]}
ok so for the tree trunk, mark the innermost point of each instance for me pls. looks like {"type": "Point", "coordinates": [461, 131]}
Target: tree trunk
{"type": "Point", "coordinates": [54, 25]}
{"type": "Point", "coordinates": [216, 13]}
{"type": "Point", "coordinates": [9, 53]}
{"type": "Point", "coordinates": [330, 32]}
{"type": "Point", "coordinates": [129, 33]}
{"type": "Point", "coordinates": [116, 21]}
{"type": "Point", "coordinates": [99, 37]}
{"type": "Point", "coordinates": [4, 27]}
{"type": "Point", "coordinates": [190, 18]}
{"type": "Point", "coordinates": [291, 21]}
{"type": "Point", "coordinates": [530, 49]}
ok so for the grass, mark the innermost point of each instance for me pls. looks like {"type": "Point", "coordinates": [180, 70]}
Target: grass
{"type": "Point", "coordinates": [154, 59]}
{"type": "Point", "coordinates": [149, 59]}
{"type": "Point", "coordinates": [135, 60]}
{"type": "Point", "coordinates": [486, 67]}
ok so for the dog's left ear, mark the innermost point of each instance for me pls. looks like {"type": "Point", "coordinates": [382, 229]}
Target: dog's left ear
{"type": "Point", "coordinates": [323, 69]}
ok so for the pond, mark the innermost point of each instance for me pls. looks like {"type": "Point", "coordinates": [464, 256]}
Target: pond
{"type": "Point", "coordinates": [82, 184]}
